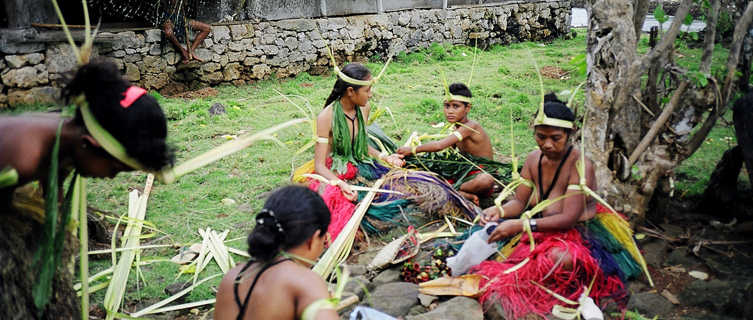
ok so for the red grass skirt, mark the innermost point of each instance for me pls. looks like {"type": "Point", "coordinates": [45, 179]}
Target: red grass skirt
{"type": "Point", "coordinates": [519, 296]}
{"type": "Point", "coordinates": [341, 209]}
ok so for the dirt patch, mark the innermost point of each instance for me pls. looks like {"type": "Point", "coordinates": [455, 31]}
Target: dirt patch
{"type": "Point", "coordinates": [197, 94]}
{"type": "Point", "coordinates": [694, 239]}
{"type": "Point", "coordinates": [554, 72]}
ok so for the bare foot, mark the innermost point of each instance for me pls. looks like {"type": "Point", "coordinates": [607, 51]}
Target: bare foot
{"type": "Point", "coordinates": [470, 196]}
{"type": "Point", "coordinates": [193, 56]}
{"type": "Point", "coordinates": [186, 56]}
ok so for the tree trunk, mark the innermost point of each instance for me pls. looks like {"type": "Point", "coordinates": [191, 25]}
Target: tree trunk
{"type": "Point", "coordinates": [611, 51]}
{"type": "Point", "coordinates": [619, 123]}
{"type": "Point", "coordinates": [743, 118]}
{"type": "Point", "coordinates": [721, 192]}
{"type": "Point", "coordinates": [639, 15]}
{"type": "Point", "coordinates": [19, 238]}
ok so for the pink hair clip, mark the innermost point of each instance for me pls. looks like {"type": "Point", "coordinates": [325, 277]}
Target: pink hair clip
{"type": "Point", "coordinates": [131, 94]}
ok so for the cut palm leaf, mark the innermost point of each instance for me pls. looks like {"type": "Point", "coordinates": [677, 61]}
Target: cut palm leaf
{"type": "Point", "coordinates": [620, 226]}
{"type": "Point", "coordinates": [169, 175]}
{"type": "Point", "coordinates": [356, 188]}
{"type": "Point", "coordinates": [151, 309]}
{"type": "Point", "coordinates": [340, 248]}
{"type": "Point", "coordinates": [516, 180]}
{"type": "Point", "coordinates": [183, 306]}
{"type": "Point", "coordinates": [131, 238]}
{"type": "Point", "coordinates": [45, 256]}
{"type": "Point", "coordinates": [217, 249]}
{"type": "Point", "coordinates": [79, 207]}
{"type": "Point", "coordinates": [541, 206]}
{"type": "Point", "coordinates": [92, 289]}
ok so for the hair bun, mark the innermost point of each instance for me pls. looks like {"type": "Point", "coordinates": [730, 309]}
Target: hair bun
{"type": "Point", "coordinates": [268, 217]}
{"type": "Point", "coordinates": [284, 224]}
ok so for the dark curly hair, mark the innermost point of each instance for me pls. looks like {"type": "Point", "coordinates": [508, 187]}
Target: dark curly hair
{"type": "Point", "coordinates": [461, 90]}
{"type": "Point", "coordinates": [141, 128]}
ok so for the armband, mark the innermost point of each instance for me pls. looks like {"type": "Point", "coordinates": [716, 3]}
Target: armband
{"type": "Point", "coordinates": [574, 187]}
{"type": "Point", "coordinates": [322, 140]}
{"type": "Point", "coordinates": [533, 225]}
{"type": "Point", "coordinates": [383, 155]}
{"type": "Point", "coordinates": [458, 135]}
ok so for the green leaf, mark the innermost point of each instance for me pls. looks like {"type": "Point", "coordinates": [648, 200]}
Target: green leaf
{"type": "Point", "coordinates": [688, 20]}
{"type": "Point", "coordinates": [635, 172]}
{"type": "Point", "coordinates": [699, 79]}
{"type": "Point", "coordinates": [44, 258]}
{"type": "Point", "coordinates": [703, 81]}
{"type": "Point", "coordinates": [8, 177]}
{"type": "Point", "coordinates": [580, 64]}
{"type": "Point", "coordinates": [660, 15]}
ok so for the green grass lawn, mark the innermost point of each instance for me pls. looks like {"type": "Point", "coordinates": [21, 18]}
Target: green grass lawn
{"type": "Point", "coordinates": [504, 83]}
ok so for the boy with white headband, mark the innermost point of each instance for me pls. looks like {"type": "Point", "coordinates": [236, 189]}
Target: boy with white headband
{"type": "Point", "coordinates": [468, 137]}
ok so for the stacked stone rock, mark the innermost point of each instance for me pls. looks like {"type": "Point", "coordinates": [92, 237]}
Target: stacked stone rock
{"type": "Point", "coordinates": [238, 53]}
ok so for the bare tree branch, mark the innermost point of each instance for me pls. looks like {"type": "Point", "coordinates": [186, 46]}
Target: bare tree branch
{"type": "Point", "coordinates": [639, 17]}
{"type": "Point", "coordinates": [658, 124]}
{"type": "Point", "coordinates": [632, 79]}
{"type": "Point", "coordinates": [668, 39]}
{"type": "Point", "coordinates": [710, 37]}
{"type": "Point", "coordinates": [734, 53]}
{"type": "Point", "coordinates": [697, 139]}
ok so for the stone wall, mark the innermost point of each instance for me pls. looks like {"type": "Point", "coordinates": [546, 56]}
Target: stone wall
{"type": "Point", "coordinates": [239, 53]}
{"type": "Point", "coordinates": [293, 9]}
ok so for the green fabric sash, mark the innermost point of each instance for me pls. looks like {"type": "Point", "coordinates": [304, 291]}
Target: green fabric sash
{"type": "Point", "coordinates": [343, 151]}
{"type": "Point", "coordinates": [451, 164]}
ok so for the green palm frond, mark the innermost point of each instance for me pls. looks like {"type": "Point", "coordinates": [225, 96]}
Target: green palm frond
{"type": "Point", "coordinates": [8, 177]}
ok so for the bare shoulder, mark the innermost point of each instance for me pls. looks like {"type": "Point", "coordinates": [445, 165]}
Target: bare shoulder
{"type": "Point", "coordinates": [589, 167]}
{"type": "Point", "coordinates": [325, 114]}
{"type": "Point", "coordinates": [303, 278]}
{"type": "Point", "coordinates": [225, 307]}
{"type": "Point", "coordinates": [305, 283]}
{"type": "Point", "coordinates": [475, 125]}
{"type": "Point", "coordinates": [575, 157]}
{"type": "Point", "coordinates": [533, 157]}
{"type": "Point", "coordinates": [324, 121]}
{"type": "Point", "coordinates": [229, 278]}
{"type": "Point", "coordinates": [24, 157]}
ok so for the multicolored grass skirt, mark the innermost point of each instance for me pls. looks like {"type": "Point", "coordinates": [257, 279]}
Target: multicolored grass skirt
{"type": "Point", "coordinates": [422, 191]}
{"type": "Point", "coordinates": [602, 251]}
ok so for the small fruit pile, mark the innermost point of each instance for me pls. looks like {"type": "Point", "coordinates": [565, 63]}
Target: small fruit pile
{"type": "Point", "coordinates": [412, 271]}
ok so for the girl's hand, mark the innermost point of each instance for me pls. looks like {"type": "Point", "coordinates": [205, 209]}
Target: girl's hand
{"type": "Point", "coordinates": [395, 160]}
{"type": "Point", "coordinates": [349, 193]}
{"type": "Point", "coordinates": [404, 151]}
{"type": "Point", "coordinates": [506, 229]}
{"type": "Point", "coordinates": [490, 214]}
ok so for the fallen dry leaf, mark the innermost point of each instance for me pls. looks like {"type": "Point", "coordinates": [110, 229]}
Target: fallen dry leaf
{"type": "Point", "coordinates": [699, 275]}
{"type": "Point", "coordinates": [671, 297]}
